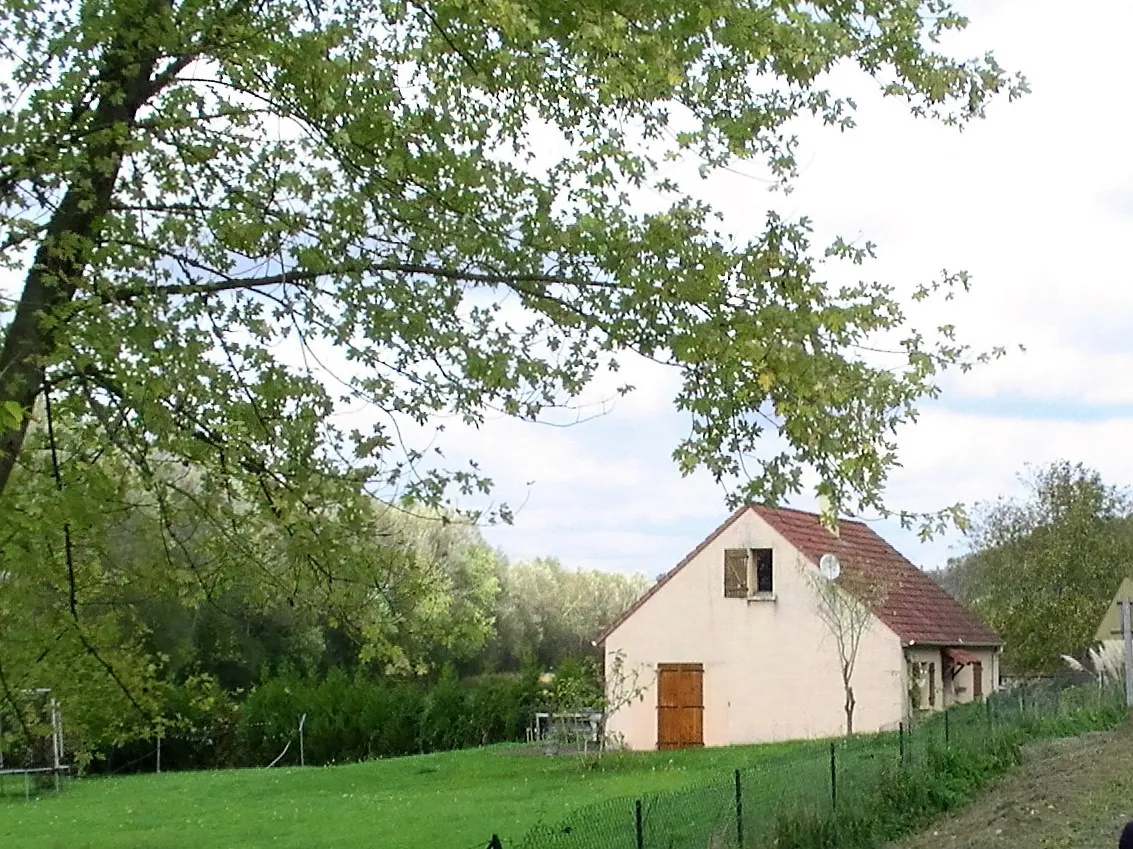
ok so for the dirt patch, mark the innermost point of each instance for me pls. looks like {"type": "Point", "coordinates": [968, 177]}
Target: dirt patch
{"type": "Point", "coordinates": [1074, 793]}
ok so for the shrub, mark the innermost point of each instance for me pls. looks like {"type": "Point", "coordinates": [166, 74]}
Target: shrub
{"type": "Point", "coordinates": [445, 722]}
{"type": "Point", "coordinates": [357, 718]}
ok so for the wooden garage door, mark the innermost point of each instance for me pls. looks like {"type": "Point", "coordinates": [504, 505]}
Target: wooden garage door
{"type": "Point", "coordinates": [680, 705]}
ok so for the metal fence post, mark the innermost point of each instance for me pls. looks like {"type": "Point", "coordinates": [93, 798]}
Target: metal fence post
{"type": "Point", "coordinates": [639, 824]}
{"type": "Point", "coordinates": [739, 811]}
{"type": "Point", "coordinates": [947, 733]}
{"type": "Point", "coordinates": [833, 779]}
{"type": "Point", "coordinates": [901, 741]}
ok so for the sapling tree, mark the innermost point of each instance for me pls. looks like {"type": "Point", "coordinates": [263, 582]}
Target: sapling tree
{"type": "Point", "coordinates": [624, 684]}
{"type": "Point", "coordinates": [846, 608]}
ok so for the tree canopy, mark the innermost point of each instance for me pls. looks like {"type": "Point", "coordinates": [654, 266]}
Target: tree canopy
{"type": "Point", "coordinates": [555, 613]}
{"type": "Point", "coordinates": [231, 218]}
{"type": "Point", "coordinates": [1043, 569]}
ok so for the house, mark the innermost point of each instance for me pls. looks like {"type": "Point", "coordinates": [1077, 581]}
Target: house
{"type": "Point", "coordinates": [730, 645]}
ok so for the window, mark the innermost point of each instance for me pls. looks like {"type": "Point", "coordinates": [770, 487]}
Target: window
{"type": "Point", "coordinates": [977, 680]}
{"type": "Point", "coordinates": [735, 573]}
{"type": "Point", "coordinates": [932, 685]}
{"type": "Point", "coordinates": [763, 574]}
{"type": "Point", "coordinates": [747, 571]}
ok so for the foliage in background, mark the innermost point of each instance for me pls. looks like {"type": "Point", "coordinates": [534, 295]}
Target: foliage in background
{"type": "Point", "coordinates": [356, 717]}
{"type": "Point", "coordinates": [1043, 570]}
{"type": "Point", "coordinates": [552, 612]}
{"type": "Point", "coordinates": [179, 601]}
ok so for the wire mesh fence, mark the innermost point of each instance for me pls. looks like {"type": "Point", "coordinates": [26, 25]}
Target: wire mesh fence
{"type": "Point", "coordinates": [751, 807]}
{"type": "Point", "coordinates": [739, 809]}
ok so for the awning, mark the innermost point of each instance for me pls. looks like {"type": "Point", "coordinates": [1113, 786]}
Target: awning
{"type": "Point", "coordinates": [961, 657]}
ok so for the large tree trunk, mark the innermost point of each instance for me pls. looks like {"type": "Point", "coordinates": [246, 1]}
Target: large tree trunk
{"type": "Point", "coordinates": [63, 255]}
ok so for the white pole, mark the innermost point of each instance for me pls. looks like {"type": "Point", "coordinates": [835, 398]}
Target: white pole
{"type": "Point", "coordinates": [302, 759]}
{"type": "Point", "coordinates": [59, 720]}
{"type": "Point", "coordinates": [56, 753]}
{"type": "Point", "coordinates": [1127, 630]}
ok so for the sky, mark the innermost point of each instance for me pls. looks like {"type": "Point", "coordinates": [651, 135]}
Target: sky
{"type": "Point", "coordinates": [1035, 202]}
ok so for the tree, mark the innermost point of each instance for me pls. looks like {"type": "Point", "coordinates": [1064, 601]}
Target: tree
{"type": "Point", "coordinates": [954, 577]}
{"type": "Point", "coordinates": [229, 217]}
{"type": "Point", "coordinates": [846, 607]}
{"type": "Point", "coordinates": [166, 592]}
{"type": "Point", "coordinates": [550, 612]}
{"type": "Point", "coordinates": [447, 613]}
{"type": "Point", "coordinates": [1042, 570]}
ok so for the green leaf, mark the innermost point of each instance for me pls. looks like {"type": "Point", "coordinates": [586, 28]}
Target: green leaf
{"type": "Point", "coordinates": [11, 415]}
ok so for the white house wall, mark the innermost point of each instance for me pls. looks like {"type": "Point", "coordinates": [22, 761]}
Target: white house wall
{"type": "Point", "coordinates": [771, 668]}
{"type": "Point", "coordinates": [962, 689]}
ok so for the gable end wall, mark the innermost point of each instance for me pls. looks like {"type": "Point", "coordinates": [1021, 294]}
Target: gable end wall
{"type": "Point", "coordinates": [770, 668]}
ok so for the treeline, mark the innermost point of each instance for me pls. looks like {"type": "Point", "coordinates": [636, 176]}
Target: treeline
{"type": "Point", "coordinates": [518, 640]}
{"type": "Point", "coordinates": [489, 614]}
{"type": "Point", "coordinates": [161, 609]}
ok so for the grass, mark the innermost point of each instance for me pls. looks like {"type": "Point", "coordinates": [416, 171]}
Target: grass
{"type": "Point", "coordinates": [457, 800]}
{"type": "Point", "coordinates": [451, 799]}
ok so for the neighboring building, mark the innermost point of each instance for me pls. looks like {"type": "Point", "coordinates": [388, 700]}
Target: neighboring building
{"type": "Point", "coordinates": [730, 647]}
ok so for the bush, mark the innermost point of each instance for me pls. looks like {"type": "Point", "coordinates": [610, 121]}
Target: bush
{"type": "Point", "coordinates": [445, 723]}
{"type": "Point", "coordinates": [359, 718]}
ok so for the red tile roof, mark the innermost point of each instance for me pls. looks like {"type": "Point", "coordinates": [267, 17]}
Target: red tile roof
{"type": "Point", "coordinates": [915, 607]}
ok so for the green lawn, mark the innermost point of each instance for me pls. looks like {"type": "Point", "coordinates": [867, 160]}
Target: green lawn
{"type": "Point", "coordinates": [451, 800]}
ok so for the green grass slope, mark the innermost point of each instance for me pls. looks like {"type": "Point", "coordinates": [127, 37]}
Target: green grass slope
{"type": "Point", "coordinates": [451, 799]}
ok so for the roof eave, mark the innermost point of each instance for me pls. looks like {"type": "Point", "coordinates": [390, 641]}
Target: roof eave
{"type": "Point", "coordinates": [979, 644]}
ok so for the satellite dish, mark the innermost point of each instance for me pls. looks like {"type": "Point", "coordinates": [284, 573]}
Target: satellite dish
{"type": "Point", "coordinates": [829, 566]}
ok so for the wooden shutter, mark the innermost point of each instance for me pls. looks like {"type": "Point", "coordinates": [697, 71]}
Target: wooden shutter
{"type": "Point", "coordinates": [977, 680]}
{"type": "Point", "coordinates": [932, 684]}
{"type": "Point", "coordinates": [764, 580]}
{"type": "Point", "coordinates": [735, 573]}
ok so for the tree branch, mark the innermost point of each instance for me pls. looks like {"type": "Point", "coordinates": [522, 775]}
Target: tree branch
{"type": "Point", "coordinates": [231, 284]}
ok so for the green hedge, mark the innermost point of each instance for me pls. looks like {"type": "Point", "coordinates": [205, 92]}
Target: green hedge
{"type": "Point", "coordinates": [348, 718]}
{"type": "Point", "coordinates": [352, 719]}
